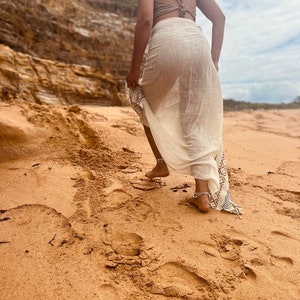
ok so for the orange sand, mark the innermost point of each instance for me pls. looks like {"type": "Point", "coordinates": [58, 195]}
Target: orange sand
{"type": "Point", "coordinates": [79, 221]}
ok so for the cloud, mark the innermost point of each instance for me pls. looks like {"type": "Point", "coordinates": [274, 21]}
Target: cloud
{"type": "Point", "coordinates": [261, 52]}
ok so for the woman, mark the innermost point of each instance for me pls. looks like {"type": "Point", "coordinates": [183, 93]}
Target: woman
{"type": "Point", "coordinates": [183, 105]}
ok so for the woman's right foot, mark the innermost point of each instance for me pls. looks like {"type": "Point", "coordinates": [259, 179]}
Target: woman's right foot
{"type": "Point", "coordinates": [160, 170]}
{"type": "Point", "coordinates": [201, 202]}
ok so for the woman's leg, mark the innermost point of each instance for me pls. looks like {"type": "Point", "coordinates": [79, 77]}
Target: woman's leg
{"type": "Point", "coordinates": [202, 200]}
{"type": "Point", "coordinates": [161, 169]}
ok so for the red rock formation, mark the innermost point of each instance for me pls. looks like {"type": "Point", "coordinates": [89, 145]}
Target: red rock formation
{"type": "Point", "coordinates": [69, 48]}
{"type": "Point", "coordinates": [75, 32]}
{"type": "Point", "coordinates": [46, 81]}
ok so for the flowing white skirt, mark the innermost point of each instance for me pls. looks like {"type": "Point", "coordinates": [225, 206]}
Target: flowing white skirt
{"type": "Point", "coordinates": [183, 104]}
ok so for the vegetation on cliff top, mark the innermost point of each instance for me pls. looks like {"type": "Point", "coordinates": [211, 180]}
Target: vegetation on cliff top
{"type": "Point", "coordinates": [231, 105]}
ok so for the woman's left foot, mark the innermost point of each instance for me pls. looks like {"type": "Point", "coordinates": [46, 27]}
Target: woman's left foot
{"type": "Point", "coordinates": [160, 170]}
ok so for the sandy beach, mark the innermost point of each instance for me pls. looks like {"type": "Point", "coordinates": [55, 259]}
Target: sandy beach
{"type": "Point", "coordinates": [78, 219]}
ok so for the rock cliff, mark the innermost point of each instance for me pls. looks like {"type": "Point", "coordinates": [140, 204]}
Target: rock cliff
{"type": "Point", "coordinates": [75, 32]}
{"type": "Point", "coordinates": [64, 46]}
{"type": "Point", "coordinates": [44, 81]}
{"type": "Point", "coordinates": [123, 7]}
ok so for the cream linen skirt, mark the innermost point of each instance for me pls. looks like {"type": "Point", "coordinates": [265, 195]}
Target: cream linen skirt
{"type": "Point", "coordinates": [183, 105]}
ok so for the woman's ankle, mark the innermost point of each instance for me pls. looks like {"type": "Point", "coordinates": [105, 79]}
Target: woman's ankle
{"type": "Point", "coordinates": [160, 161]}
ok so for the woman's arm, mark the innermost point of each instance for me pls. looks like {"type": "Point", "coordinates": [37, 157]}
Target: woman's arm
{"type": "Point", "coordinates": [142, 33]}
{"type": "Point", "coordinates": [213, 12]}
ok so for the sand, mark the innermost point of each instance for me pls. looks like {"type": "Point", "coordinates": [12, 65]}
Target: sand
{"type": "Point", "coordinates": [79, 220]}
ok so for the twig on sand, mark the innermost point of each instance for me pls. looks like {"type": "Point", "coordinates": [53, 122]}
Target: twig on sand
{"type": "Point", "coordinates": [50, 242]}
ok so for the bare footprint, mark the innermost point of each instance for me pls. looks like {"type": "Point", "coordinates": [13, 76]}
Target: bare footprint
{"type": "Point", "coordinates": [229, 248]}
{"type": "Point", "coordinates": [281, 261]}
{"type": "Point", "coordinates": [209, 249]}
{"type": "Point", "coordinates": [127, 243]}
{"type": "Point", "coordinates": [108, 291]}
{"type": "Point", "coordinates": [140, 210]}
{"type": "Point", "coordinates": [249, 272]}
{"type": "Point", "coordinates": [176, 280]}
{"type": "Point", "coordinates": [167, 224]}
{"type": "Point", "coordinates": [283, 234]}
{"type": "Point", "coordinates": [37, 226]}
{"type": "Point", "coordinates": [87, 174]}
{"type": "Point", "coordinates": [116, 199]}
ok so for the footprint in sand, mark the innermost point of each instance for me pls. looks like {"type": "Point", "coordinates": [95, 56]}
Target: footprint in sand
{"type": "Point", "coordinates": [36, 226]}
{"type": "Point", "coordinates": [140, 210]}
{"type": "Point", "coordinates": [286, 249]}
{"type": "Point", "coordinates": [108, 292]}
{"type": "Point", "coordinates": [116, 199]}
{"type": "Point", "coordinates": [86, 173]}
{"type": "Point", "coordinates": [127, 243]}
{"type": "Point", "coordinates": [283, 234]}
{"type": "Point", "coordinates": [281, 261]}
{"type": "Point", "coordinates": [249, 272]}
{"type": "Point", "coordinates": [208, 249]}
{"type": "Point", "coordinates": [88, 134]}
{"type": "Point", "coordinates": [166, 224]}
{"type": "Point", "coordinates": [112, 186]}
{"type": "Point", "coordinates": [176, 280]}
{"type": "Point", "coordinates": [229, 248]}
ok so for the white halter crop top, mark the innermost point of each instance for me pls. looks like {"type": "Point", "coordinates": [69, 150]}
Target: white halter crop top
{"type": "Point", "coordinates": [162, 8]}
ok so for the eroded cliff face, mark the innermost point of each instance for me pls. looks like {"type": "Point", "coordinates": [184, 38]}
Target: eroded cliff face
{"type": "Point", "coordinates": [123, 7]}
{"type": "Point", "coordinates": [55, 36]}
{"type": "Point", "coordinates": [74, 32]}
{"type": "Point", "coordinates": [46, 81]}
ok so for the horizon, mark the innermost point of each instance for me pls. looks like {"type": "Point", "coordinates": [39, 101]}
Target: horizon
{"type": "Point", "coordinates": [261, 51]}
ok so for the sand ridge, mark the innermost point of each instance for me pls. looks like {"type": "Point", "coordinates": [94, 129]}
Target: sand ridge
{"type": "Point", "coordinates": [78, 220]}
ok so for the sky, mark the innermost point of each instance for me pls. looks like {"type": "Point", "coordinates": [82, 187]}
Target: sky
{"type": "Point", "coordinates": [260, 59]}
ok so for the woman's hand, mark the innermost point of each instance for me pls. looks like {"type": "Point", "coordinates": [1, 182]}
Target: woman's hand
{"type": "Point", "coordinates": [132, 78]}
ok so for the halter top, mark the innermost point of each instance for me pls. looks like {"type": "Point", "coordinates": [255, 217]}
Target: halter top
{"type": "Point", "coordinates": [162, 8]}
